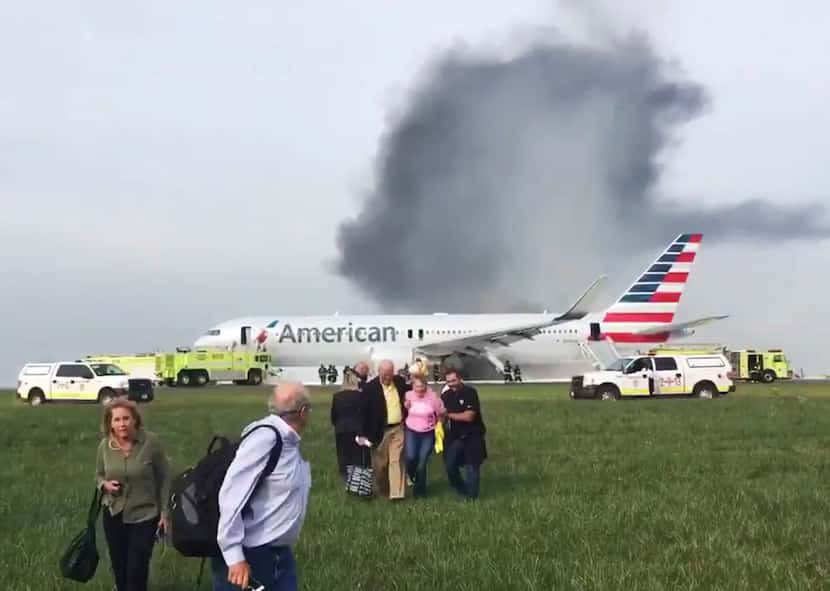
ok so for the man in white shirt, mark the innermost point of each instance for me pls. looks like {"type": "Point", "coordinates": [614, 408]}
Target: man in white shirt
{"type": "Point", "coordinates": [256, 531]}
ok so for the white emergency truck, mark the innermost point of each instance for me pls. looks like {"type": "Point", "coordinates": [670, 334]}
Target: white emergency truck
{"type": "Point", "coordinates": [701, 376]}
{"type": "Point", "coordinates": [76, 381]}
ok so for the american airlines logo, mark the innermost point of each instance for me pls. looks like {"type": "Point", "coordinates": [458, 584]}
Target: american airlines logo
{"type": "Point", "coordinates": [336, 334]}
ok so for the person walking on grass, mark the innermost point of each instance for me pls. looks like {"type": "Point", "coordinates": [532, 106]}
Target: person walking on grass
{"type": "Point", "coordinates": [385, 394]}
{"type": "Point", "coordinates": [133, 473]}
{"type": "Point", "coordinates": [464, 444]}
{"type": "Point", "coordinates": [349, 417]}
{"type": "Point", "coordinates": [255, 543]}
{"type": "Point", "coordinates": [424, 410]}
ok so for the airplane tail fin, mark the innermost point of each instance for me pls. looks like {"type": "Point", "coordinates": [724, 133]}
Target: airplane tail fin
{"type": "Point", "coordinates": [650, 304]}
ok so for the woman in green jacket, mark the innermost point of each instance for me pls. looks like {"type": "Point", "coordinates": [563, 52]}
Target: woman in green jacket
{"type": "Point", "coordinates": [134, 475]}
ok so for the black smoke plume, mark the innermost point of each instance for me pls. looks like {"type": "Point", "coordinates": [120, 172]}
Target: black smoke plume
{"type": "Point", "coordinates": [508, 182]}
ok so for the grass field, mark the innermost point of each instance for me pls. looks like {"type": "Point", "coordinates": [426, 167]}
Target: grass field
{"type": "Point", "coordinates": [683, 494]}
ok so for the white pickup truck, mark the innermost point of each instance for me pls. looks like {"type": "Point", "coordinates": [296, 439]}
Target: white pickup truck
{"type": "Point", "coordinates": [701, 376]}
{"type": "Point", "coordinates": [75, 380]}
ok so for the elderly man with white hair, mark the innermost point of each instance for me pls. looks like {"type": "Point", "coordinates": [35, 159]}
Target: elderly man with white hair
{"type": "Point", "coordinates": [387, 412]}
{"type": "Point", "coordinates": [258, 527]}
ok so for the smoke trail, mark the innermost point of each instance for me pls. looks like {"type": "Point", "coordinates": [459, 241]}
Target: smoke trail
{"type": "Point", "coordinates": [504, 179]}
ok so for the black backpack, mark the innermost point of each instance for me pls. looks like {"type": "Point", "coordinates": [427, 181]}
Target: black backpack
{"type": "Point", "coordinates": [194, 498]}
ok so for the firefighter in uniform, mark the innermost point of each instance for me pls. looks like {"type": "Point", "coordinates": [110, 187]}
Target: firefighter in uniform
{"type": "Point", "coordinates": [507, 372]}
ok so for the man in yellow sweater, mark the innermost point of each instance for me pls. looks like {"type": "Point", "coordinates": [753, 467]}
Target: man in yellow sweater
{"type": "Point", "coordinates": [386, 416]}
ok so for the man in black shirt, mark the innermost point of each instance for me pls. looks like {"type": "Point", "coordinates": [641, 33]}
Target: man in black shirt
{"type": "Point", "coordinates": [464, 443]}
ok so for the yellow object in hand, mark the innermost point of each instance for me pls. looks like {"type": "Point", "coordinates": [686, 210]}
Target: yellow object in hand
{"type": "Point", "coordinates": [439, 437]}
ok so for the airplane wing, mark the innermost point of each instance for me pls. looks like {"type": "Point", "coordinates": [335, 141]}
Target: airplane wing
{"type": "Point", "coordinates": [477, 344]}
{"type": "Point", "coordinates": [680, 327]}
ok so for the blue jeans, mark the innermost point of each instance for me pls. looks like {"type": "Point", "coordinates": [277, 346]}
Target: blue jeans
{"type": "Point", "coordinates": [271, 566]}
{"type": "Point", "coordinates": [454, 460]}
{"type": "Point", "coordinates": [418, 447]}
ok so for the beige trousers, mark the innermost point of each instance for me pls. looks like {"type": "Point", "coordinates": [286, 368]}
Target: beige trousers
{"type": "Point", "coordinates": [387, 462]}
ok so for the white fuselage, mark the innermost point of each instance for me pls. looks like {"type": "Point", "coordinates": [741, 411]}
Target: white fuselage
{"type": "Point", "coordinates": [344, 340]}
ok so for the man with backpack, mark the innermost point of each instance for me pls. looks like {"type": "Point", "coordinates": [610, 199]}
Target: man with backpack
{"type": "Point", "coordinates": [259, 521]}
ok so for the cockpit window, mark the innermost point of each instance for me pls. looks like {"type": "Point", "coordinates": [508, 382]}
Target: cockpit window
{"type": "Point", "coordinates": [213, 332]}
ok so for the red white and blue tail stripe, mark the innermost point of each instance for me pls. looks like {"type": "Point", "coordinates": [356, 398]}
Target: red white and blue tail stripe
{"type": "Point", "coordinates": [653, 299]}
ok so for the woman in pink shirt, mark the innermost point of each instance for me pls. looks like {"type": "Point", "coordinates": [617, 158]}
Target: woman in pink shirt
{"type": "Point", "coordinates": [424, 411]}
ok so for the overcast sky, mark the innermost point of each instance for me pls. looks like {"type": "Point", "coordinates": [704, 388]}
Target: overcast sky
{"type": "Point", "coordinates": [166, 166]}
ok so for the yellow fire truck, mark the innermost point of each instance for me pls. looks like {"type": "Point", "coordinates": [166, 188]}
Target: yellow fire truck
{"type": "Point", "coordinates": [749, 365]}
{"type": "Point", "coordinates": [193, 368]}
{"type": "Point", "coordinates": [760, 366]}
{"type": "Point", "coordinates": [200, 367]}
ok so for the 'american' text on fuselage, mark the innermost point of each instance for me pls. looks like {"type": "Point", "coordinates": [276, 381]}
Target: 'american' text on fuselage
{"type": "Point", "coordinates": [339, 334]}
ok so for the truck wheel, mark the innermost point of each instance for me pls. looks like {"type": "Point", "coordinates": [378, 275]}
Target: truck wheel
{"type": "Point", "coordinates": [185, 379]}
{"type": "Point", "coordinates": [202, 378]}
{"type": "Point", "coordinates": [768, 376]}
{"type": "Point", "coordinates": [705, 390]}
{"type": "Point", "coordinates": [36, 397]}
{"type": "Point", "coordinates": [608, 393]}
{"type": "Point", "coordinates": [254, 377]}
{"type": "Point", "coordinates": [106, 395]}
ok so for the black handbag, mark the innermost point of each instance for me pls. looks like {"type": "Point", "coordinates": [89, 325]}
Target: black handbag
{"type": "Point", "coordinates": [80, 560]}
{"type": "Point", "coordinates": [360, 479]}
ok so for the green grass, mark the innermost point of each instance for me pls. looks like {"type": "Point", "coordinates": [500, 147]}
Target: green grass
{"type": "Point", "coordinates": [683, 494]}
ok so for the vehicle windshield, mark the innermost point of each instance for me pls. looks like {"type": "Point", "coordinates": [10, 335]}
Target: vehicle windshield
{"type": "Point", "coordinates": [619, 364]}
{"type": "Point", "coordinates": [107, 369]}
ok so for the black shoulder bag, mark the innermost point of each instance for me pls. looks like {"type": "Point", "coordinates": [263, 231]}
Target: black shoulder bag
{"type": "Point", "coordinates": [81, 557]}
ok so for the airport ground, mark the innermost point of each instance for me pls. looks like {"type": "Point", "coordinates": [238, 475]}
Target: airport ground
{"type": "Point", "coordinates": [682, 494]}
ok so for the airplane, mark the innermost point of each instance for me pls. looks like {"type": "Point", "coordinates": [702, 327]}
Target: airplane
{"type": "Point", "coordinates": [643, 315]}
